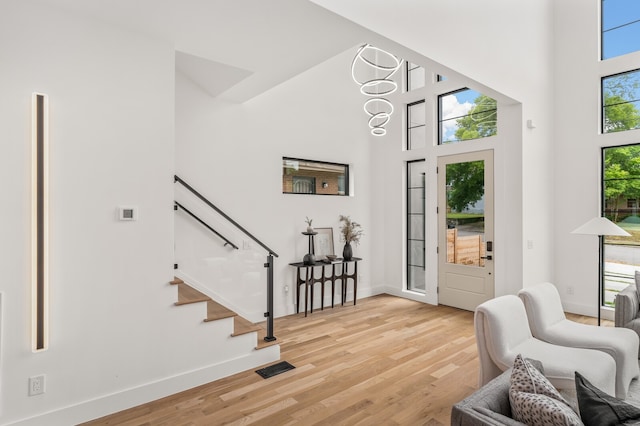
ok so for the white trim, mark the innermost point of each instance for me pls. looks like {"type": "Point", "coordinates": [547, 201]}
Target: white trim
{"type": "Point", "coordinates": [102, 406]}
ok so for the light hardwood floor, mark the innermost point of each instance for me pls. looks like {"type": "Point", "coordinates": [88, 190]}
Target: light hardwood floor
{"type": "Point", "coordinates": [385, 361]}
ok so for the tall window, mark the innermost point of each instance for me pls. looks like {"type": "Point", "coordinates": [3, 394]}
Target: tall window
{"type": "Point", "coordinates": [466, 114]}
{"type": "Point", "coordinates": [415, 225]}
{"type": "Point", "coordinates": [621, 191]}
{"type": "Point", "coordinates": [415, 76]}
{"type": "Point", "coordinates": [621, 102]}
{"type": "Point", "coordinates": [416, 121]}
{"type": "Point", "coordinates": [620, 27]}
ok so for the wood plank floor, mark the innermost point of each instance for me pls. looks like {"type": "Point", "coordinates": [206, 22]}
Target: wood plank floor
{"type": "Point", "coordinates": [385, 361]}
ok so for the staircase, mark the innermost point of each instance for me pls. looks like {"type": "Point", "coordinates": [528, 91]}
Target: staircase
{"type": "Point", "coordinates": [215, 311]}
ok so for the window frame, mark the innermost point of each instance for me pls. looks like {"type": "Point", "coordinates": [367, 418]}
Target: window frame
{"type": "Point", "coordinates": [602, 105]}
{"type": "Point", "coordinates": [408, 79]}
{"type": "Point", "coordinates": [408, 264]}
{"type": "Point", "coordinates": [409, 127]}
{"type": "Point", "coordinates": [603, 31]}
{"type": "Point", "coordinates": [439, 106]}
{"type": "Point", "coordinates": [346, 175]}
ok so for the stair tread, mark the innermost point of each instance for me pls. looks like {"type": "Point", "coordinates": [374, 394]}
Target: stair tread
{"type": "Point", "coordinates": [188, 294]}
{"type": "Point", "coordinates": [243, 326]}
{"type": "Point", "coordinates": [216, 311]}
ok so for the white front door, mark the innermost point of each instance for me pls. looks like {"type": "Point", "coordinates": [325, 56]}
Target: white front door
{"type": "Point", "coordinates": [465, 229]}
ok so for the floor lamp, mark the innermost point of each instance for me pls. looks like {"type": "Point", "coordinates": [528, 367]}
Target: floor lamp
{"type": "Point", "coordinates": [600, 226]}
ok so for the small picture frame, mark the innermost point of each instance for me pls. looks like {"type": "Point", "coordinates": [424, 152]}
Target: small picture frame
{"type": "Point", "coordinates": [323, 243]}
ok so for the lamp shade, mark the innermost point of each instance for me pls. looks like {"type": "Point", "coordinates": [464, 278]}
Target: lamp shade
{"type": "Point", "coordinates": [601, 226]}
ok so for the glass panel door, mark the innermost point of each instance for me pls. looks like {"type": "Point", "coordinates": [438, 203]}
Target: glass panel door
{"type": "Point", "coordinates": [466, 253]}
{"type": "Point", "coordinates": [465, 213]}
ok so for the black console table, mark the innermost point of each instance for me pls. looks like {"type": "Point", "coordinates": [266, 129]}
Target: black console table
{"type": "Point", "coordinates": [339, 271]}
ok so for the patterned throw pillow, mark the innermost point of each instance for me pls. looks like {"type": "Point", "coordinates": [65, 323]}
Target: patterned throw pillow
{"type": "Point", "coordinates": [534, 400]}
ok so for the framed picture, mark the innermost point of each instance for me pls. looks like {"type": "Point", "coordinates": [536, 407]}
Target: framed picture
{"type": "Point", "coordinates": [323, 243]}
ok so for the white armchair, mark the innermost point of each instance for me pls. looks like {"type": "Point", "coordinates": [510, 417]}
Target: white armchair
{"type": "Point", "coordinates": [548, 322]}
{"type": "Point", "coordinates": [502, 332]}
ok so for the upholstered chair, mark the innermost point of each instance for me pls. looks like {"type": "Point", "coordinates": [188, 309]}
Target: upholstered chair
{"type": "Point", "coordinates": [627, 311]}
{"type": "Point", "coordinates": [502, 332]}
{"type": "Point", "coordinates": [548, 322]}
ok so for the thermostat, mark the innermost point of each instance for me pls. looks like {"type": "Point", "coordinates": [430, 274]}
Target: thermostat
{"type": "Point", "coordinates": [128, 213]}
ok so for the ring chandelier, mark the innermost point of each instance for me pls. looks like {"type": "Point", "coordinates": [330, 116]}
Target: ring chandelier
{"type": "Point", "coordinates": [375, 69]}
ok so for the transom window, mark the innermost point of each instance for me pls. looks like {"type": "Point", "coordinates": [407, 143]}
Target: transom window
{"type": "Point", "coordinates": [466, 114]}
{"type": "Point", "coordinates": [620, 27]}
{"type": "Point", "coordinates": [621, 102]}
{"type": "Point", "coordinates": [415, 76]}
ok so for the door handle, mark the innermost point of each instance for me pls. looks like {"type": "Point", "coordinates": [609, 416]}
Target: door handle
{"type": "Point", "coordinates": [489, 257]}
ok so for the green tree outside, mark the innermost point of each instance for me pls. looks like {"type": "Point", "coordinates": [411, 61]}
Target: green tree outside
{"type": "Point", "coordinates": [466, 183]}
{"type": "Point", "coordinates": [466, 180]}
{"type": "Point", "coordinates": [619, 93]}
{"type": "Point", "coordinates": [480, 122]}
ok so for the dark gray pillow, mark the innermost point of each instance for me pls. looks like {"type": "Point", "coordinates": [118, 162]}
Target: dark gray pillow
{"type": "Point", "coordinates": [598, 408]}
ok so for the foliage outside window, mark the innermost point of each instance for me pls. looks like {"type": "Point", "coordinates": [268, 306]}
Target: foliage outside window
{"type": "Point", "coordinates": [621, 102]}
{"type": "Point", "coordinates": [620, 27]}
{"type": "Point", "coordinates": [314, 177]}
{"type": "Point", "coordinates": [466, 114]}
{"type": "Point", "coordinates": [621, 191]}
{"type": "Point", "coordinates": [416, 125]}
{"type": "Point", "coordinates": [415, 76]}
{"type": "Point", "coordinates": [465, 213]}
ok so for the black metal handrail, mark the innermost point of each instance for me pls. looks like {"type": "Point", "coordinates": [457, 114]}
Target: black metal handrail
{"type": "Point", "coordinates": [269, 265]}
{"type": "Point", "coordinates": [223, 214]}
{"type": "Point", "coordinates": [202, 222]}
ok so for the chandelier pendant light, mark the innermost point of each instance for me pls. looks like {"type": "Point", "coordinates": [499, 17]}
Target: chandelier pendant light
{"type": "Point", "coordinates": [372, 69]}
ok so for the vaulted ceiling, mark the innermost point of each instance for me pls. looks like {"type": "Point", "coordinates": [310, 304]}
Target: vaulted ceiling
{"type": "Point", "coordinates": [235, 49]}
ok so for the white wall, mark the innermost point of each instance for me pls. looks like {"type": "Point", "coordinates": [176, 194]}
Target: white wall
{"type": "Point", "coordinates": [233, 154]}
{"type": "Point", "coordinates": [578, 146]}
{"type": "Point", "coordinates": [115, 337]}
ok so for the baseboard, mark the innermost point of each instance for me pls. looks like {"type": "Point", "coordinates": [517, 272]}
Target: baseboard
{"type": "Point", "coordinates": [128, 398]}
{"type": "Point", "coordinates": [411, 295]}
{"type": "Point", "coordinates": [580, 309]}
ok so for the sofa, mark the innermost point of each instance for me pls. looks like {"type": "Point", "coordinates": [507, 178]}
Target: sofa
{"type": "Point", "coordinates": [490, 404]}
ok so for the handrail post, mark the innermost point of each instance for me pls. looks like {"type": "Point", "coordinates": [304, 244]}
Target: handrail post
{"type": "Point", "coordinates": [269, 314]}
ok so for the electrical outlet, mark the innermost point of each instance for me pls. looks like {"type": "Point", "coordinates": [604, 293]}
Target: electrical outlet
{"type": "Point", "coordinates": [569, 290]}
{"type": "Point", "coordinates": [36, 385]}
